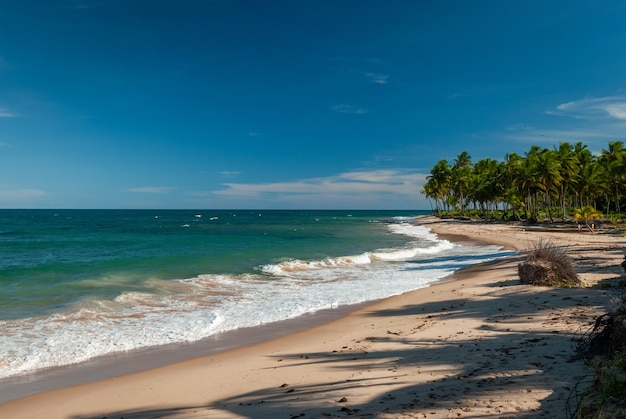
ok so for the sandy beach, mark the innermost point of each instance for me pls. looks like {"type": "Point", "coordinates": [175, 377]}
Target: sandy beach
{"type": "Point", "coordinates": [476, 345]}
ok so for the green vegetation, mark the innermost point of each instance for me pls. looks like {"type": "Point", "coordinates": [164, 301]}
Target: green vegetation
{"type": "Point", "coordinates": [586, 214]}
{"type": "Point", "coordinates": [542, 184]}
{"type": "Point", "coordinates": [605, 349]}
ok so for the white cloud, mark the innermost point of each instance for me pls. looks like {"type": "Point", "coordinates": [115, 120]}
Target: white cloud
{"type": "Point", "coordinates": [608, 107]}
{"type": "Point", "coordinates": [616, 110]}
{"type": "Point", "coordinates": [393, 188]}
{"type": "Point", "coordinates": [5, 113]}
{"type": "Point", "coordinates": [348, 109]}
{"type": "Point", "coordinates": [593, 135]}
{"type": "Point", "coordinates": [378, 78]}
{"type": "Point", "coordinates": [594, 122]}
{"type": "Point", "coordinates": [151, 189]}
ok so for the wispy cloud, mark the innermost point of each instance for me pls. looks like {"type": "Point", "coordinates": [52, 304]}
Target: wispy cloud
{"type": "Point", "coordinates": [611, 107]}
{"type": "Point", "coordinates": [253, 134]}
{"type": "Point", "coordinates": [553, 136]}
{"type": "Point", "coordinates": [374, 188]}
{"type": "Point", "coordinates": [593, 121]}
{"type": "Point", "coordinates": [151, 189]}
{"type": "Point", "coordinates": [5, 113]}
{"type": "Point", "coordinates": [616, 110]}
{"type": "Point", "coordinates": [594, 135]}
{"type": "Point", "coordinates": [378, 78]}
{"type": "Point", "coordinates": [348, 109]}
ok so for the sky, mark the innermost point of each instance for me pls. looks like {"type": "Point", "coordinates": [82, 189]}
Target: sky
{"type": "Point", "coordinates": [291, 104]}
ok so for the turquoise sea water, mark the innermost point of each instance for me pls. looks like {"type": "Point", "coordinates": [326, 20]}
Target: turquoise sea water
{"type": "Point", "coordinates": [76, 284]}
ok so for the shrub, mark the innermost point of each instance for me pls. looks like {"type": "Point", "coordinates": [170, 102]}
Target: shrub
{"type": "Point", "coordinates": [604, 348]}
{"type": "Point", "coordinates": [548, 265]}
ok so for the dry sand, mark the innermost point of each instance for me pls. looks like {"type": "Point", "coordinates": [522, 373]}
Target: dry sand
{"type": "Point", "coordinates": [479, 345]}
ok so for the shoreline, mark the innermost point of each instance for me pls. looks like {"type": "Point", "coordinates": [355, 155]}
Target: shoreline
{"type": "Point", "coordinates": [138, 360]}
{"type": "Point", "coordinates": [477, 336]}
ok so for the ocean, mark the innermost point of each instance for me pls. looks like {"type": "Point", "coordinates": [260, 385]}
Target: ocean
{"type": "Point", "coordinates": [80, 284]}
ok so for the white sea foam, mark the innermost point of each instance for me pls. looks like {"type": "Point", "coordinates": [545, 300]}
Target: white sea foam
{"type": "Point", "coordinates": [193, 308]}
{"type": "Point", "coordinates": [412, 230]}
{"type": "Point", "coordinates": [428, 245]}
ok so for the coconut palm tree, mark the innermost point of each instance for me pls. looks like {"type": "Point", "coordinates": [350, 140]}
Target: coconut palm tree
{"type": "Point", "coordinates": [511, 179]}
{"type": "Point", "coordinates": [530, 180]}
{"type": "Point", "coordinates": [483, 184]}
{"type": "Point", "coordinates": [438, 184]}
{"type": "Point", "coordinates": [587, 213]}
{"type": "Point", "coordinates": [592, 183]}
{"type": "Point", "coordinates": [461, 170]}
{"type": "Point", "coordinates": [548, 172]}
{"type": "Point", "coordinates": [613, 162]}
{"type": "Point", "coordinates": [571, 174]}
{"type": "Point", "coordinates": [584, 159]}
{"type": "Point", "coordinates": [569, 170]}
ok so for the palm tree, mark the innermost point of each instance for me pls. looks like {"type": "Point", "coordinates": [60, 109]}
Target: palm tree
{"type": "Point", "coordinates": [571, 174]}
{"type": "Point", "coordinates": [510, 180]}
{"type": "Point", "coordinates": [530, 180]}
{"type": "Point", "coordinates": [515, 200]}
{"type": "Point", "coordinates": [483, 183]}
{"type": "Point", "coordinates": [613, 162]}
{"type": "Point", "coordinates": [438, 184]}
{"type": "Point", "coordinates": [548, 172]}
{"type": "Point", "coordinates": [460, 177]}
{"type": "Point", "coordinates": [569, 170]}
{"type": "Point", "coordinates": [586, 214]}
{"type": "Point", "coordinates": [592, 183]}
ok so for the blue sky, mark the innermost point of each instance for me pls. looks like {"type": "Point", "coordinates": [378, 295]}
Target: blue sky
{"type": "Point", "coordinates": [342, 104]}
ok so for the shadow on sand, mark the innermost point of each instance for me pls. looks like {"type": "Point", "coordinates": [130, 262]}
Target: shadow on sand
{"type": "Point", "coordinates": [473, 373]}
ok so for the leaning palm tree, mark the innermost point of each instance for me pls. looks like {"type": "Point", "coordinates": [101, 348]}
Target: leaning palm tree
{"type": "Point", "coordinates": [438, 184]}
{"type": "Point", "coordinates": [587, 213]}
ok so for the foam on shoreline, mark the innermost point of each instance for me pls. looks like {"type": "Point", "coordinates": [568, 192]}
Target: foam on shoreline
{"type": "Point", "coordinates": [478, 345]}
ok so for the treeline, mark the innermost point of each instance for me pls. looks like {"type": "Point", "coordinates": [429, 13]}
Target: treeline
{"type": "Point", "coordinates": [543, 183]}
